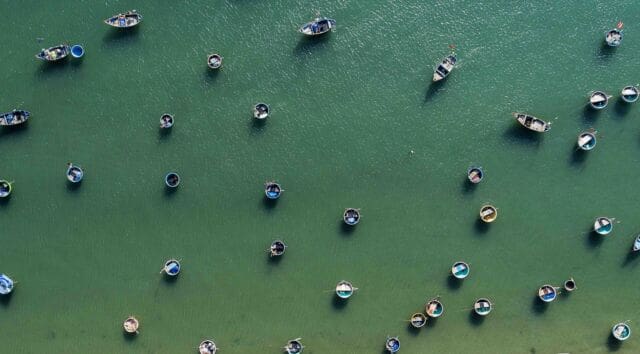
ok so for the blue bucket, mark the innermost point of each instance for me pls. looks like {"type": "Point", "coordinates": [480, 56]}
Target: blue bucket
{"type": "Point", "coordinates": [77, 51]}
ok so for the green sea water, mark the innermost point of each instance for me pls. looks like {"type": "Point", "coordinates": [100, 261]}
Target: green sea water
{"type": "Point", "coordinates": [347, 110]}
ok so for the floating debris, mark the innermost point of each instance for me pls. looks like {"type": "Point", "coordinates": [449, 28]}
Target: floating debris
{"type": "Point", "coordinates": [351, 216]}
{"type": "Point", "coordinates": [418, 320]}
{"type": "Point", "coordinates": [318, 26]}
{"type": "Point", "coordinates": [460, 270]}
{"type": "Point", "coordinates": [261, 111]}
{"type": "Point", "coordinates": [598, 100]}
{"type": "Point", "coordinates": [74, 173]}
{"type": "Point", "coordinates": [54, 53]}
{"type": "Point", "coordinates": [570, 285]}
{"type": "Point", "coordinates": [5, 188]}
{"type": "Point", "coordinates": [613, 37]}
{"type": "Point", "coordinates": [277, 248]}
{"type": "Point", "coordinates": [214, 61]}
{"type": "Point", "coordinates": [621, 331]}
{"type": "Point", "coordinates": [482, 306]}
{"type": "Point", "coordinates": [434, 308]}
{"type": "Point", "coordinates": [166, 121]}
{"type": "Point", "coordinates": [125, 20]}
{"type": "Point", "coordinates": [207, 347]}
{"type": "Point", "coordinates": [272, 190]}
{"type": "Point", "coordinates": [171, 267]}
{"type": "Point", "coordinates": [532, 123]}
{"type": "Point", "coordinates": [587, 140]}
{"type": "Point", "coordinates": [294, 346]}
{"type": "Point", "coordinates": [488, 213]}
{"type": "Point", "coordinates": [345, 289]}
{"type": "Point", "coordinates": [6, 284]}
{"type": "Point", "coordinates": [172, 180]}
{"type": "Point", "coordinates": [77, 51]}
{"type": "Point", "coordinates": [603, 225]}
{"type": "Point", "coordinates": [475, 174]}
{"type": "Point", "coordinates": [547, 293]}
{"type": "Point", "coordinates": [15, 117]}
{"type": "Point", "coordinates": [131, 325]}
{"type": "Point", "coordinates": [392, 344]}
{"type": "Point", "coordinates": [629, 94]}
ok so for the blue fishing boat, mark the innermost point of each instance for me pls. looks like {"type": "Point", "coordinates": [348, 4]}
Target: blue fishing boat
{"type": "Point", "coordinates": [570, 285]}
{"type": "Point", "coordinates": [418, 320]}
{"type": "Point", "coordinates": [345, 289]}
{"type": "Point", "coordinates": [207, 347]}
{"type": "Point", "coordinates": [444, 68]}
{"type": "Point", "coordinates": [77, 51]}
{"type": "Point", "coordinates": [434, 308]}
{"type": "Point", "coordinates": [621, 331]}
{"type": "Point", "coordinates": [603, 225]}
{"type": "Point", "coordinates": [318, 26]}
{"type": "Point", "coordinates": [392, 344]}
{"type": "Point", "coordinates": [294, 346]}
{"type": "Point", "coordinates": [636, 244]}
{"type": "Point", "coordinates": [475, 174]}
{"type": "Point", "coordinates": [587, 140]}
{"type": "Point", "coordinates": [214, 61]}
{"type": "Point", "coordinates": [166, 121]}
{"type": "Point", "coordinates": [460, 270]}
{"type": "Point", "coordinates": [261, 111]}
{"type": "Point", "coordinates": [124, 20]}
{"type": "Point", "coordinates": [5, 188]}
{"type": "Point", "coordinates": [351, 216]}
{"type": "Point", "coordinates": [15, 117]}
{"type": "Point", "coordinates": [172, 180]}
{"type": "Point", "coordinates": [131, 325]}
{"type": "Point", "coordinates": [6, 284]}
{"type": "Point", "coordinates": [54, 53]}
{"type": "Point", "coordinates": [74, 173]}
{"type": "Point", "coordinates": [598, 100]}
{"type": "Point", "coordinates": [272, 190]}
{"type": "Point", "coordinates": [171, 268]}
{"type": "Point", "coordinates": [482, 307]}
{"type": "Point", "coordinates": [547, 293]}
{"type": "Point", "coordinates": [613, 37]}
{"type": "Point", "coordinates": [629, 94]}
{"type": "Point", "coordinates": [277, 248]}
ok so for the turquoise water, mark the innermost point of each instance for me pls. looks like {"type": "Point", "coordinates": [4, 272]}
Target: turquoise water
{"type": "Point", "coordinates": [346, 110]}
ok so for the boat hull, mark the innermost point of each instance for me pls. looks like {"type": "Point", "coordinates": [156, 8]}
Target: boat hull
{"type": "Point", "coordinates": [15, 117]}
{"type": "Point", "coordinates": [124, 20]}
{"type": "Point", "coordinates": [532, 123]}
{"type": "Point", "coordinates": [444, 68]}
{"type": "Point", "coordinates": [318, 26]}
{"type": "Point", "coordinates": [54, 53]}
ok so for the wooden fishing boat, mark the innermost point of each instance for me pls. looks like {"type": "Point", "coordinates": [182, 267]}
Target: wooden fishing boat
{"type": "Point", "coordinates": [261, 111]}
{"type": "Point", "coordinates": [351, 216]}
{"type": "Point", "coordinates": [603, 225]}
{"type": "Point", "coordinates": [418, 320]}
{"type": "Point", "coordinates": [277, 248]}
{"type": "Point", "coordinates": [166, 121]}
{"type": "Point", "coordinates": [77, 51]}
{"type": "Point", "coordinates": [74, 173]}
{"type": "Point", "coordinates": [613, 37]}
{"type": "Point", "coordinates": [318, 26]}
{"type": "Point", "coordinates": [629, 94]}
{"type": "Point", "coordinates": [6, 284]}
{"type": "Point", "coordinates": [345, 289]}
{"type": "Point", "coordinates": [207, 347]}
{"type": "Point", "coordinates": [5, 188]}
{"type": "Point", "coordinates": [131, 325]}
{"type": "Point", "coordinates": [488, 213]}
{"type": "Point", "coordinates": [475, 174]}
{"type": "Point", "coordinates": [124, 20]}
{"type": "Point", "coordinates": [272, 190]}
{"type": "Point", "coordinates": [570, 285]}
{"type": "Point", "coordinates": [482, 307]}
{"type": "Point", "coordinates": [636, 244]}
{"type": "Point", "coordinates": [460, 270]}
{"type": "Point", "coordinates": [621, 331]}
{"type": "Point", "coordinates": [444, 68]}
{"type": "Point", "coordinates": [294, 346]}
{"type": "Point", "coordinates": [15, 117]}
{"type": "Point", "coordinates": [547, 293]}
{"type": "Point", "coordinates": [214, 61]}
{"type": "Point", "coordinates": [434, 308]}
{"type": "Point", "coordinates": [392, 344]}
{"type": "Point", "coordinates": [54, 53]}
{"type": "Point", "coordinates": [171, 267]}
{"type": "Point", "coordinates": [532, 123]}
{"type": "Point", "coordinates": [598, 100]}
{"type": "Point", "coordinates": [587, 140]}
{"type": "Point", "coordinates": [172, 180]}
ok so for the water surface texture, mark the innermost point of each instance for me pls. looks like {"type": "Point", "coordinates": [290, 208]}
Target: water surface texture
{"type": "Point", "coordinates": [347, 110]}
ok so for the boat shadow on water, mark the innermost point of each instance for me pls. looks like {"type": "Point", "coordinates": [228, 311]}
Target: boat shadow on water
{"type": "Point", "coordinates": [605, 52]}
{"type": "Point", "coordinates": [345, 230]}
{"type": "Point", "coordinates": [593, 239]}
{"type": "Point", "coordinates": [454, 283]}
{"type": "Point", "coordinates": [210, 75]}
{"type": "Point", "coordinates": [121, 36]}
{"type": "Point", "coordinates": [307, 45]}
{"type": "Point", "coordinates": [467, 187]}
{"type": "Point", "coordinates": [578, 157]}
{"type": "Point", "coordinates": [433, 90]}
{"type": "Point", "coordinates": [589, 114]}
{"type": "Point", "coordinates": [338, 304]}
{"type": "Point", "coordinates": [612, 343]}
{"type": "Point", "coordinates": [475, 319]}
{"type": "Point", "coordinates": [538, 307]}
{"type": "Point", "coordinates": [269, 204]}
{"type": "Point", "coordinates": [72, 187]}
{"type": "Point", "coordinates": [257, 126]}
{"type": "Point", "coordinates": [6, 299]}
{"type": "Point", "coordinates": [518, 134]}
{"type": "Point", "coordinates": [631, 257]}
{"type": "Point", "coordinates": [53, 69]}
{"type": "Point", "coordinates": [481, 227]}
{"type": "Point", "coordinates": [621, 108]}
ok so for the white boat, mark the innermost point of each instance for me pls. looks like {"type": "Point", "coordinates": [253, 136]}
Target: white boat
{"type": "Point", "coordinates": [613, 37]}
{"type": "Point", "coordinates": [6, 284]}
{"type": "Point", "coordinates": [532, 123]}
{"type": "Point", "coordinates": [587, 140]}
{"type": "Point", "coordinates": [124, 20]}
{"type": "Point", "coordinates": [207, 347]}
{"type": "Point", "coordinates": [629, 94]}
{"type": "Point", "coordinates": [443, 69]}
{"type": "Point", "coordinates": [318, 26]}
{"type": "Point", "coordinates": [603, 225]}
{"type": "Point", "coordinates": [636, 244]}
{"type": "Point", "coordinates": [598, 100]}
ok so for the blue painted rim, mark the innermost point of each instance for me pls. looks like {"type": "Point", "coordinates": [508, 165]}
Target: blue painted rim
{"type": "Point", "coordinates": [77, 51]}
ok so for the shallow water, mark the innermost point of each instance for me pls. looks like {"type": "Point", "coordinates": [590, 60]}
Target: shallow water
{"type": "Point", "coordinates": [347, 109]}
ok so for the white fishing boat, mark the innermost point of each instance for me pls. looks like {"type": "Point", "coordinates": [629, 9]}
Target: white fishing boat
{"type": "Point", "coordinates": [444, 68]}
{"type": "Point", "coordinates": [636, 244]}
{"type": "Point", "coordinates": [532, 123]}
{"type": "Point", "coordinates": [318, 26]}
{"type": "Point", "coordinates": [131, 325]}
{"type": "Point", "coordinates": [598, 100]}
{"type": "Point", "coordinates": [629, 94]}
{"type": "Point", "coordinates": [587, 140]}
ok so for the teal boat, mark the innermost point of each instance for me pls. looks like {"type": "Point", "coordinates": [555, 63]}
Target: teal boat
{"type": "Point", "coordinates": [482, 307]}
{"type": "Point", "coordinates": [598, 100]}
{"type": "Point", "coordinates": [345, 289]}
{"type": "Point", "coordinates": [460, 270]}
{"type": "Point", "coordinates": [434, 308]}
{"type": "Point", "coordinates": [621, 331]}
{"type": "Point", "coordinates": [603, 225]}
{"type": "Point", "coordinates": [587, 140]}
{"type": "Point", "coordinates": [629, 94]}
